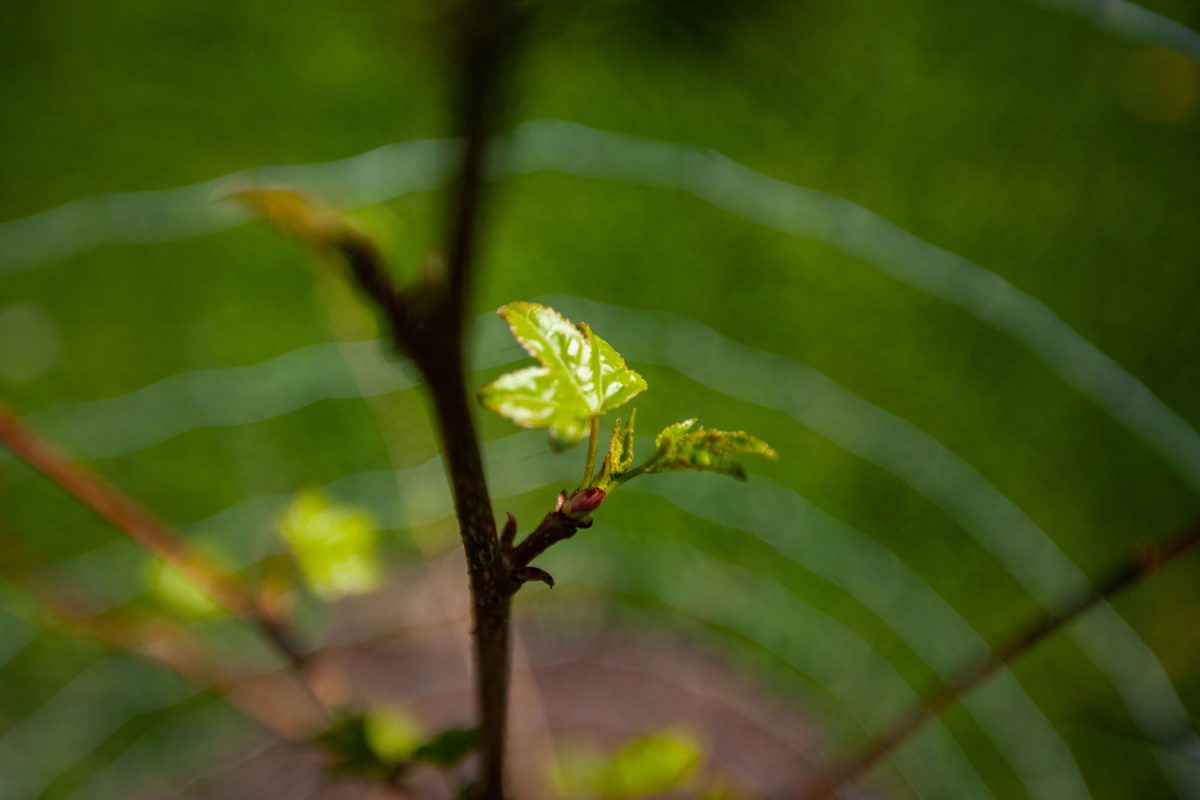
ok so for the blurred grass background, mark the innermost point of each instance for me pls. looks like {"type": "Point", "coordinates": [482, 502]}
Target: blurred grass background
{"type": "Point", "coordinates": [1061, 157]}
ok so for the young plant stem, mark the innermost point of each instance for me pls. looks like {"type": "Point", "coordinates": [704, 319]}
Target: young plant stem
{"type": "Point", "coordinates": [593, 443]}
{"type": "Point", "coordinates": [427, 323]}
{"type": "Point", "coordinates": [937, 702]}
{"type": "Point", "coordinates": [141, 526]}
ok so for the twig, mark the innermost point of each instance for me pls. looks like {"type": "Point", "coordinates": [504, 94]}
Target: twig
{"type": "Point", "coordinates": [554, 528]}
{"type": "Point", "coordinates": [127, 516]}
{"type": "Point", "coordinates": [936, 703]}
{"type": "Point", "coordinates": [151, 638]}
{"type": "Point", "coordinates": [428, 324]}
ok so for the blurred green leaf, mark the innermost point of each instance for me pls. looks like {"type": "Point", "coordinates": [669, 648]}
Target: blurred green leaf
{"type": "Point", "coordinates": [581, 376]}
{"type": "Point", "coordinates": [646, 766]}
{"type": "Point", "coordinates": [392, 734]}
{"type": "Point", "coordinates": [682, 447]}
{"type": "Point", "coordinates": [179, 593]}
{"type": "Point", "coordinates": [349, 749]}
{"type": "Point", "coordinates": [334, 545]}
{"type": "Point", "coordinates": [294, 212]}
{"type": "Point", "coordinates": [448, 747]}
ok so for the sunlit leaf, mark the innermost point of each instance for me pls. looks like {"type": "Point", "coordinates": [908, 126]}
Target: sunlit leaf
{"type": "Point", "coordinates": [650, 765]}
{"type": "Point", "coordinates": [448, 747]}
{"type": "Point", "coordinates": [334, 545]}
{"type": "Point", "coordinates": [581, 376]}
{"type": "Point", "coordinates": [177, 592]}
{"type": "Point", "coordinates": [684, 446]}
{"type": "Point", "coordinates": [647, 766]}
{"type": "Point", "coordinates": [392, 734]}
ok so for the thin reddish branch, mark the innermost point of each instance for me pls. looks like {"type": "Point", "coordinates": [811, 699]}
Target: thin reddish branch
{"type": "Point", "coordinates": [167, 644]}
{"type": "Point", "coordinates": [1141, 566]}
{"type": "Point", "coordinates": [127, 516]}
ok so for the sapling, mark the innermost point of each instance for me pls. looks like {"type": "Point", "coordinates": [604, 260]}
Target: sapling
{"type": "Point", "coordinates": [580, 378]}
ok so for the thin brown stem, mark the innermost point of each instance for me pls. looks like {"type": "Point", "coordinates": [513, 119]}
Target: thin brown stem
{"type": "Point", "coordinates": [129, 517]}
{"type": "Point", "coordinates": [936, 703]}
{"type": "Point", "coordinates": [428, 322]}
{"type": "Point", "coordinates": [554, 528]}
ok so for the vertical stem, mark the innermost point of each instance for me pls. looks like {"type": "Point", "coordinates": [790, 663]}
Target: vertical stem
{"type": "Point", "coordinates": [491, 585]}
{"type": "Point", "coordinates": [593, 442]}
{"type": "Point", "coordinates": [485, 33]}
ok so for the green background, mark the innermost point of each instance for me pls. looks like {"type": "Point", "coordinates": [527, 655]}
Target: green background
{"type": "Point", "coordinates": [1060, 157]}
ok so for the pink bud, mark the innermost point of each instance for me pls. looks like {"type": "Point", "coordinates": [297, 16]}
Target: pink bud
{"type": "Point", "coordinates": [585, 501]}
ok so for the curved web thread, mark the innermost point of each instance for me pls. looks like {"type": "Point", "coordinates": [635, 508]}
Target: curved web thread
{"type": "Point", "coordinates": [933, 471]}
{"type": "Point", "coordinates": [846, 224]}
{"type": "Point", "coordinates": [1133, 22]}
{"type": "Point", "coordinates": [875, 577]}
{"type": "Point", "coordinates": [722, 182]}
{"type": "Point", "coordinates": [835, 658]}
{"type": "Point", "coordinates": [1040, 758]}
{"type": "Point", "coordinates": [569, 148]}
{"type": "Point", "coordinates": [78, 718]}
{"type": "Point", "coordinates": [829, 409]}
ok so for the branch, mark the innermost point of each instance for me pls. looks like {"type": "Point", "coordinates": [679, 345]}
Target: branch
{"type": "Point", "coordinates": [936, 703]}
{"type": "Point", "coordinates": [161, 642]}
{"type": "Point", "coordinates": [127, 516]}
{"type": "Point", "coordinates": [427, 321]}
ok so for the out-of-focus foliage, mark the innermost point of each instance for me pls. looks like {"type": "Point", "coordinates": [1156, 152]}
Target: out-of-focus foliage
{"type": "Point", "coordinates": [177, 592]}
{"type": "Point", "coordinates": [684, 446]}
{"type": "Point", "coordinates": [335, 545]}
{"type": "Point", "coordinates": [393, 734]}
{"type": "Point", "coordinates": [810, 220]}
{"type": "Point", "coordinates": [645, 767]}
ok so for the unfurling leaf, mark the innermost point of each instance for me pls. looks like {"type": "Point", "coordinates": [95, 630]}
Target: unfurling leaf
{"type": "Point", "coordinates": [334, 545]}
{"type": "Point", "coordinates": [306, 218]}
{"type": "Point", "coordinates": [684, 446]}
{"type": "Point", "coordinates": [619, 458]}
{"type": "Point", "coordinates": [581, 376]}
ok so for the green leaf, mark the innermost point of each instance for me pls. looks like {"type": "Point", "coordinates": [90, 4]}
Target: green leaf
{"type": "Point", "coordinates": [334, 545]}
{"type": "Point", "coordinates": [448, 747]}
{"type": "Point", "coordinates": [684, 446]}
{"type": "Point", "coordinates": [650, 765]}
{"type": "Point", "coordinates": [349, 750]}
{"type": "Point", "coordinates": [179, 593]}
{"type": "Point", "coordinates": [619, 458]}
{"type": "Point", "coordinates": [392, 735]}
{"type": "Point", "coordinates": [647, 766]}
{"type": "Point", "coordinates": [581, 376]}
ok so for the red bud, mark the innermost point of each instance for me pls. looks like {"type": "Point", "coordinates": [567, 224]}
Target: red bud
{"type": "Point", "coordinates": [585, 501]}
